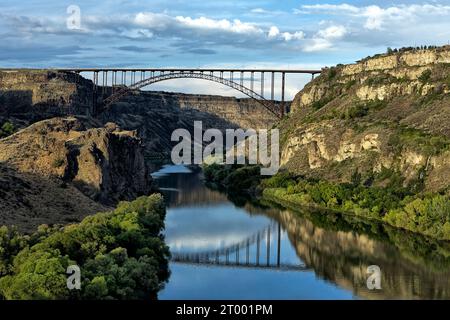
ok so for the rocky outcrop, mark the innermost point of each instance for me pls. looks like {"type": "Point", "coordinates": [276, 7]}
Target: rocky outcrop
{"type": "Point", "coordinates": [62, 169]}
{"type": "Point", "coordinates": [33, 95]}
{"type": "Point", "coordinates": [381, 117]}
{"type": "Point", "coordinates": [382, 77]}
{"type": "Point", "coordinates": [106, 163]}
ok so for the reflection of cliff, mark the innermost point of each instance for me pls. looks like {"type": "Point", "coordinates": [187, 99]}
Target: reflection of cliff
{"type": "Point", "coordinates": [343, 257]}
{"type": "Point", "coordinates": [189, 190]}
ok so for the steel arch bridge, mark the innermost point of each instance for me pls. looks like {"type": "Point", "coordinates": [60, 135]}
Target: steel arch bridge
{"type": "Point", "coordinates": [112, 84]}
{"type": "Point", "coordinates": [269, 105]}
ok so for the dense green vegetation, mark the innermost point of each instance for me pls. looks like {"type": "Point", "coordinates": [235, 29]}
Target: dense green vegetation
{"type": "Point", "coordinates": [233, 178]}
{"type": "Point", "coordinates": [394, 204]}
{"type": "Point", "coordinates": [121, 255]}
{"type": "Point", "coordinates": [415, 139]}
{"type": "Point", "coordinates": [6, 129]}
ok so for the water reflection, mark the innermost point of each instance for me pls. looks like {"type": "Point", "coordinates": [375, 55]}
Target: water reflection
{"type": "Point", "coordinates": [325, 256]}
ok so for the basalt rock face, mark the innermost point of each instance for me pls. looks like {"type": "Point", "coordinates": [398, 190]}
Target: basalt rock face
{"type": "Point", "coordinates": [74, 158]}
{"type": "Point", "coordinates": [33, 95]}
{"type": "Point", "coordinates": [155, 115]}
{"type": "Point", "coordinates": [382, 117]}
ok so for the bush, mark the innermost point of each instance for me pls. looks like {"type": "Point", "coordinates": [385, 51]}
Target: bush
{"type": "Point", "coordinates": [6, 129]}
{"type": "Point", "coordinates": [121, 255]}
{"type": "Point", "coordinates": [363, 109]}
{"type": "Point", "coordinates": [425, 76]}
{"type": "Point", "coordinates": [430, 216]}
{"type": "Point", "coordinates": [316, 105]}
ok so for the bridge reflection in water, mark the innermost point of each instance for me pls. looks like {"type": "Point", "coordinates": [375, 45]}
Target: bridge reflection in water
{"type": "Point", "coordinates": [239, 254]}
{"type": "Point", "coordinates": [204, 229]}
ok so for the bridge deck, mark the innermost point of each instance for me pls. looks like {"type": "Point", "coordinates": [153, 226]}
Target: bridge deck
{"type": "Point", "coordinates": [187, 70]}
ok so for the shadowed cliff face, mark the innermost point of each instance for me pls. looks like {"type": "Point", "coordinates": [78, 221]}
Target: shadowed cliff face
{"type": "Point", "coordinates": [155, 115]}
{"type": "Point", "coordinates": [340, 249]}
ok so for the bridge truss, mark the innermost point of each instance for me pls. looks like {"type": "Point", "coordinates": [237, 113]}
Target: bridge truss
{"type": "Point", "coordinates": [113, 84]}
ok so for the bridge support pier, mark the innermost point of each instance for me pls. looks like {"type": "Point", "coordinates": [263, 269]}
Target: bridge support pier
{"type": "Point", "coordinates": [272, 85]}
{"type": "Point", "coordinates": [283, 84]}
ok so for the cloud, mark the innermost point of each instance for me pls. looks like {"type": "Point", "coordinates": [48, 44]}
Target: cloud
{"type": "Point", "coordinates": [259, 10]}
{"type": "Point", "coordinates": [273, 32]}
{"type": "Point", "coordinates": [298, 35]}
{"type": "Point", "coordinates": [332, 32]}
{"type": "Point", "coordinates": [317, 44]}
{"type": "Point", "coordinates": [235, 26]}
{"type": "Point", "coordinates": [329, 7]}
{"type": "Point", "coordinates": [135, 49]}
{"type": "Point", "coordinates": [376, 17]}
{"type": "Point", "coordinates": [202, 51]}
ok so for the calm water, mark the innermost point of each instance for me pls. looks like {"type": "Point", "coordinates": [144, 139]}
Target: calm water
{"type": "Point", "coordinates": [222, 251]}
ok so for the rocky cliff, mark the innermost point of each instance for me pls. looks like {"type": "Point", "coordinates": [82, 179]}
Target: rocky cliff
{"type": "Point", "coordinates": [27, 96]}
{"type": "Point", "coordinates": [74, 162]}
{"type": "Point", "coordinates": [155, 115]}
{"type": "Point", "coordinates": [382, 118]}
{"type": "Point", "coordinates": [32, 95]}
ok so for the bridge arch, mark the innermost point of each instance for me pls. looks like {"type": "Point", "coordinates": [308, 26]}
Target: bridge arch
{"type": "Point", "coordinates": [278, 111]}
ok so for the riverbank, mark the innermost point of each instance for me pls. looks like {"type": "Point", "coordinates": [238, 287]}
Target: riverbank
{"type": "Point", "coordinates": [400, 207]}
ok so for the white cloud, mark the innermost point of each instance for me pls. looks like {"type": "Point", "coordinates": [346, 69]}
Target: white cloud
{"type": "Point", "coordinates": [156, 21]}
{"type": "Point", "coordinates": [332, 32]}
{"type": "Point", "coordinates": [273, 32]}
{"type": "Point", "coordinates": [258, 10]}
{"type": "Point", "coordinates": [317, 44]}
{"type": "Point", "coordinates": [376, 17]}
{"type": "Point", "coordinates": [329, 7]}
{"type": "Point", "coordinates": [298, 35]}
{"type": "Point", "coordinates": [235, 26]}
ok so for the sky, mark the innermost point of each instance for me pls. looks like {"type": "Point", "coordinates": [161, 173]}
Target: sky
{"type": "Point", "coordinates": [220, 33]}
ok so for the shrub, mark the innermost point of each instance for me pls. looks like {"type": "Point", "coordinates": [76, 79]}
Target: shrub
{"type": "Point", "coordinates": [6, 129]}
{"type": "Point", "coordinates": [316, 105]}
{"type": "Point", "coordinates": [121, 254]}
{"type": "Point", "coordinates": [425, 76]}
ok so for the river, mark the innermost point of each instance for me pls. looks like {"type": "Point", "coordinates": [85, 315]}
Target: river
{"type": "Point", "coordinates": [221, 250]}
